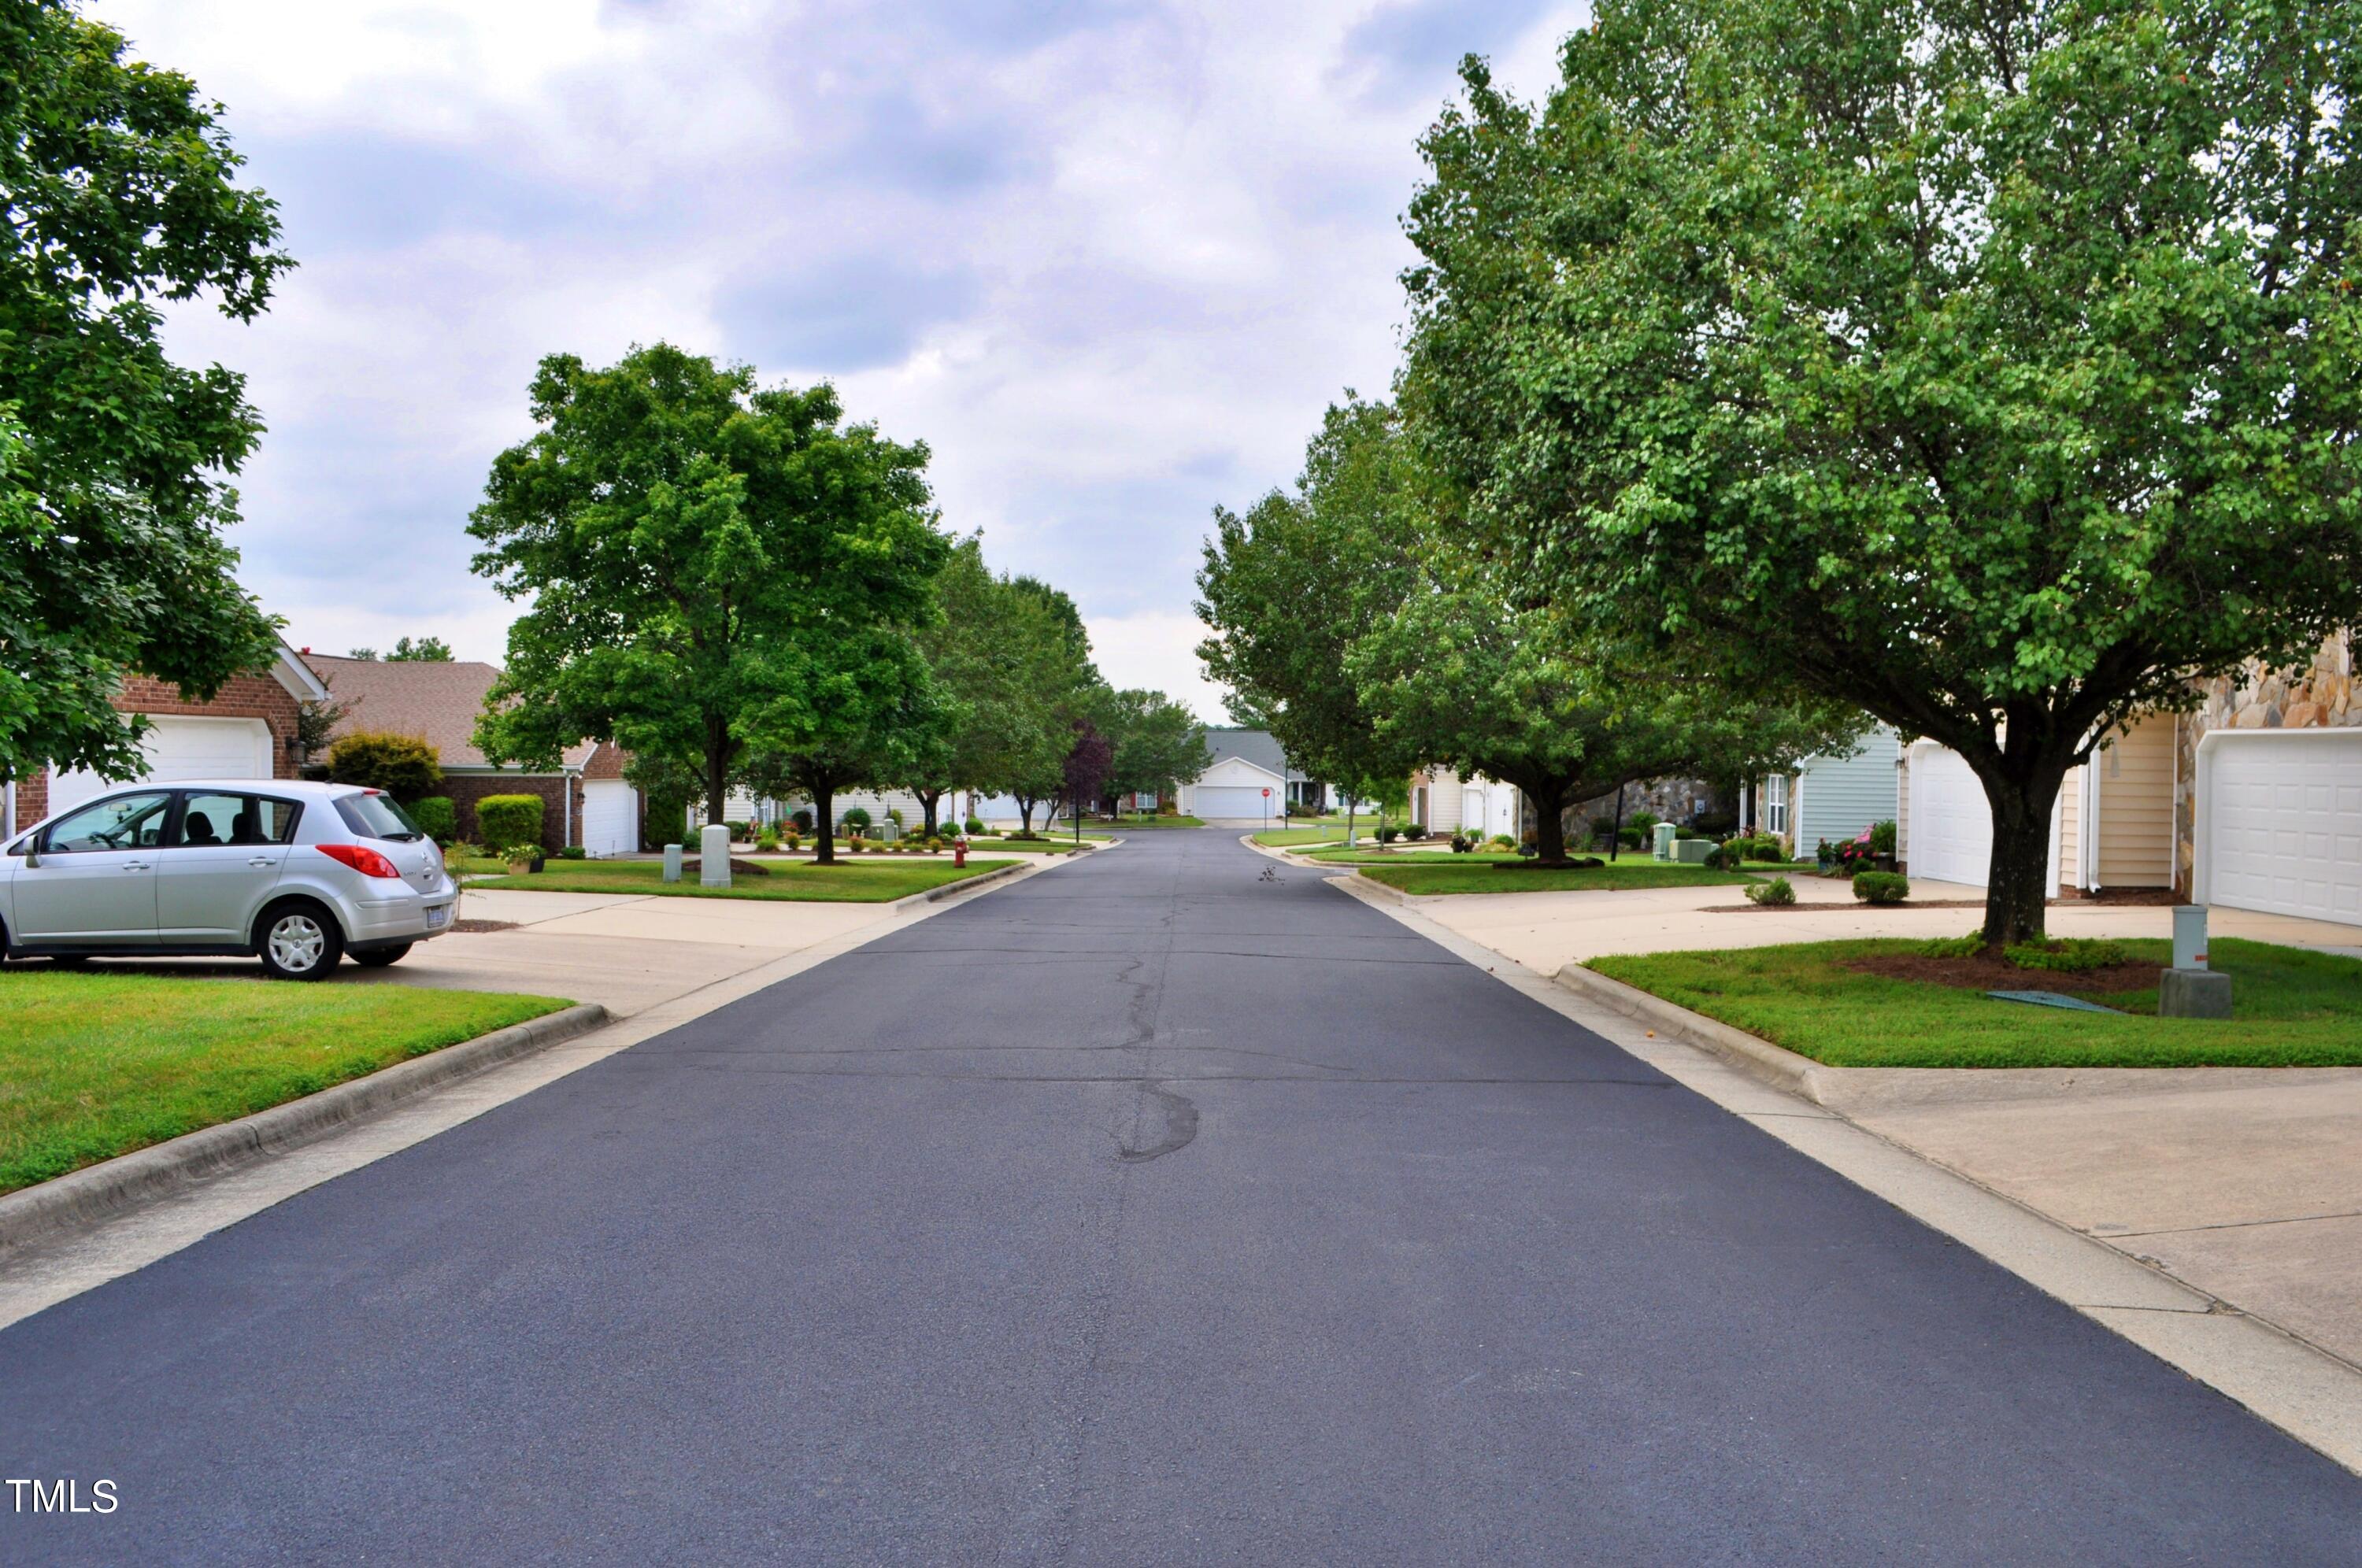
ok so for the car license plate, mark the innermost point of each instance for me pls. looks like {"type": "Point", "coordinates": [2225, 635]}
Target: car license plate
{"type": "Point", "coordinates": [437, 919]}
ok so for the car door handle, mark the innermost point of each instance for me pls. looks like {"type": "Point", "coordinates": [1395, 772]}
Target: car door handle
{"type": "Point", "coordinates": [137, 866]}
{"type": "Point", "coordinates": [263, 860]}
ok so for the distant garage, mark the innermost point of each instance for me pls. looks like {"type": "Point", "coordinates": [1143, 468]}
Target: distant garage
{"type": "Point", "coordinates": [611, 818]}
{"type": "Point", "coordinates": [1951, 824]}
{"type": "Point", "coordinates": [1234, 802]}
{"type": "Point", "coordinates": [2283, 821]}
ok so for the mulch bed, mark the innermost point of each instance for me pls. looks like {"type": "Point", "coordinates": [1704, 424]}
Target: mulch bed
{"type": "Point", "coordinates": [1987, 971]}
{"type": "Point", "coordinates": [480, 926]}
{"type": "Point", "coordinates": [738, 868]}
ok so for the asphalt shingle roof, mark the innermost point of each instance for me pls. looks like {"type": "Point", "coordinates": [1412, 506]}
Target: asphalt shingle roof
{"type": "Point", "coordinates": [435, 699]}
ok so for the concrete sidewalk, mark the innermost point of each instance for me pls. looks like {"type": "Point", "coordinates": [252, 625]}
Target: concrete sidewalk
{"type": "Point", "coordinates": [2243, 1183]}
{"type": "Point", "coordinates": [1546, 931]}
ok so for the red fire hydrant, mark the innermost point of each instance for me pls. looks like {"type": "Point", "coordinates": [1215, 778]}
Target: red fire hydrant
{"type": "Point", "coordinates": [959, 851]}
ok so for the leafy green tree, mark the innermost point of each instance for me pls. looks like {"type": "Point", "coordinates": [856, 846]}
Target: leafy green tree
{"type": "Point", "coordinates": [120, 194]}
{"type": "Point", "coordinates": [1460, 678]}
{"type": "Point", "coordinates": [424, 650]}
{"type": "Point", "coordinates": [1988, 366]}
{"type": "Point", "coordinates": [865, 709]}
{"type": "Point", "coordinates": [703, 556]}
{"type": "Point", "coordinates": [1288, 585]}
{"type": "Point", "coordinates": [1004, 658]}
{"type": "Point", "coordinates": [1156, 744]}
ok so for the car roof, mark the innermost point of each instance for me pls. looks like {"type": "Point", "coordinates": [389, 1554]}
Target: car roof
{"type": "Point", "coordinates": [297, 789]}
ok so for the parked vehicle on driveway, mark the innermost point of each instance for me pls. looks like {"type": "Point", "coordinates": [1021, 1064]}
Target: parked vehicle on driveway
{"type": "Point", "coordinates": [298, 874]}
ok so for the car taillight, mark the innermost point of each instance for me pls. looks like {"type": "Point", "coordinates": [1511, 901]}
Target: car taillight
{"type": "Point", "coordinates": [361, 859]}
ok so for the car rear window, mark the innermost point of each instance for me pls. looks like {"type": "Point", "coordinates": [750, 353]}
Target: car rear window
{"type": "Point", "coordinates": [376, 816]}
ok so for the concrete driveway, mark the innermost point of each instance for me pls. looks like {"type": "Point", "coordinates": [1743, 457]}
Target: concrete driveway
{"type": "Point", "coordinates": [1168, 1208]}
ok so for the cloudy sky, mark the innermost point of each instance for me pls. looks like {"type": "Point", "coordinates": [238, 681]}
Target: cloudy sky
{"type": "Point", "coordinates": [1109, 260]}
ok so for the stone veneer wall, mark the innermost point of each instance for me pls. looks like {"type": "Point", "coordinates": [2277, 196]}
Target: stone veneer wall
{"type": "Point", "coordinates": [2320, 694]}
{"type": "Point", "coordinates": [1674, 800]}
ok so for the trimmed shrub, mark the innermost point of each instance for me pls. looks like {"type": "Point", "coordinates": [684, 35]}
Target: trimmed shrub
{"type": "Point", "coordinates": [1388, 835]}
{"type": "Point", "coordinates": [510, 822]}
{"type": "Point", "coordinates": [801, 816]}
{"type": "Point", "coordinates": [437, 817]}
{"type": "Point", "coordinates": [855, 820]}
{"type": "Point", "coordinates": [975, 826]}
{"type": "Point", "coordinates": [1633, 838]}
{"type": "Point", "coordinates": [894, 815]}
{"type": "Point", "coordinates": [2071, 955]}
{"type": "Point", "coordinates": [405, 766]}
{"type": "Point", "coordinates": [792, 840]}
{"type": "Point", "coordinates": [1777, 893]}
{"type": "Point", "coordinates": [935, 846]}
{"type": "Point", "coordinates": [573, 852]}
{"type": "Point", "coordinates": [1642, 823]}
{"type": "Point", "coordinates": [768, 840]}
{"type": "Point", "coordinates": [1881, 887]}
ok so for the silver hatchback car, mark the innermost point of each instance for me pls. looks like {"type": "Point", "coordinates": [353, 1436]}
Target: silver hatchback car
{"type": "Point", "coordinates": [296, 874]}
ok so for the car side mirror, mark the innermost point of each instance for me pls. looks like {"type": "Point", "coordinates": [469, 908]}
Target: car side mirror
{"type": "Point", "coordinates": [32, 852]}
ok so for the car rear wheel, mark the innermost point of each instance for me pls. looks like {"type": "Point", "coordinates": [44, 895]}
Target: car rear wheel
{"type": "Point", "coordinates": [379, 957]}
{"type": "Point", "coordinates": [299, 942]}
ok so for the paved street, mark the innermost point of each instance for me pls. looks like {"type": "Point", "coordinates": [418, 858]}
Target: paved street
{"type": "Point", "coordinates": [1172, 1207]}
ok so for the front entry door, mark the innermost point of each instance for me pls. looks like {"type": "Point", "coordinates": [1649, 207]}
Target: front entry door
{"type": "Point", "coordinates": [96, 883]}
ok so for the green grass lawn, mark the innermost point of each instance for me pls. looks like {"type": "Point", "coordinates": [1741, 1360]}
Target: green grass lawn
{"type": "Point", "coordinates": [94, 1064]}
{"type": "Point", "coordinates": [1481, 874]}
{"type": "Point", "coordinates": [1133, 824]}
{"type": "Point", "coordinates": [2291, 1008]}
{"type": "Point", "coordinates": [1318, 833]}
{"type": "Point", "coordinates": [855, 879]}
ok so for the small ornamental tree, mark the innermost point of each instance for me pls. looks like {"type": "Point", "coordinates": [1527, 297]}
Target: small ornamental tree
{"type": "Point", "coordinates": [1989, 367]}
{"type": "Point", "coordinates": [1085, 773]}
{"type": "Point", "coordinates": [405, 766]}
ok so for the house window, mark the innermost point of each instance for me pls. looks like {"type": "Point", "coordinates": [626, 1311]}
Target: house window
{"type": "Point", "coordinates": [1775, 804]}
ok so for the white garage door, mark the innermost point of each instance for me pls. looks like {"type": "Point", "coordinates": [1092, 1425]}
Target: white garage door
{"type": "Point", "coordinates": [182, 747]}
{"type": "Point", "coordinates": [2286, 824]}
{"type": "Point", "coordinates": [1234, 802]}
{"type": "Point", "coordinates": [611, 818]}
{"type": "Point", "coordinates": [1952, 825]}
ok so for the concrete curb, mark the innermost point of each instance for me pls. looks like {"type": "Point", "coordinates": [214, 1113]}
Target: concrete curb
{"type": "Point", "coordinates": [1782, 1069]}
{"type": "Point", "coordinates": [98, 1192]}
{"type": "Point", "coordinates": [952, 889]}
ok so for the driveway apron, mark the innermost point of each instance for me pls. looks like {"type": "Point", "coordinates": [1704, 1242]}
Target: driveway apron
{"type": "Point", "coordinates": [1166, 1208]}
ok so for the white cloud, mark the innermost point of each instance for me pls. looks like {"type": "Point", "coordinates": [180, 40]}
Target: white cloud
{"type": "Point", "coordinates": [1110, 261]}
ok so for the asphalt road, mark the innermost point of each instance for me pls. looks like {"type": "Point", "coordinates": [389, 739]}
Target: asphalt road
{"type": "Point", "coordinates": [1147, 1211]}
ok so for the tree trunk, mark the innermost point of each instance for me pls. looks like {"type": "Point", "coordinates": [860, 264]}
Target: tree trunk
{"type": "Point", "coordinates": [823, 798]}
{"type": "Point", "coordinates": [1549, 828]}
{"type": "Point", "coordinates": [927, 801]}
{"type": "Point", "coordinates": [717, 770]}
{"type": "Point", "coordinates": [1615, 834]}
{"type": "Point", "coordinates": [1024, 814]}
{"type": "Point", "coordinates": [2017, 879]}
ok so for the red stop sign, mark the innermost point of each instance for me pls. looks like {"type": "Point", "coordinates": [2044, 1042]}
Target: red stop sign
{"type": "Point", "coordinates": [1266, 794]}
